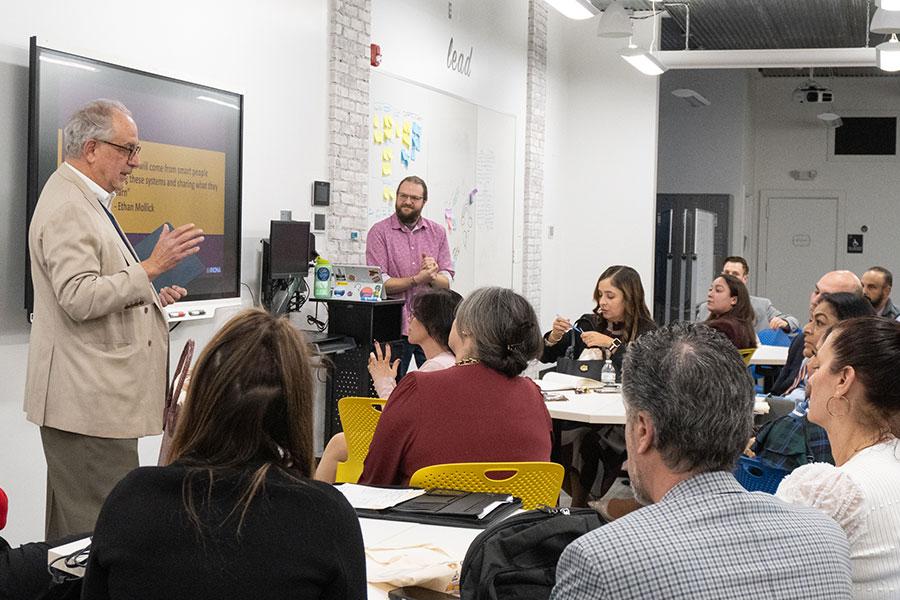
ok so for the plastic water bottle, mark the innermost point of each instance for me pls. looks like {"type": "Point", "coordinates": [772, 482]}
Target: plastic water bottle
{"type": "Point", "coordinates": [322, 281]}
{"type": "Point", "coordinates": [608, 373]}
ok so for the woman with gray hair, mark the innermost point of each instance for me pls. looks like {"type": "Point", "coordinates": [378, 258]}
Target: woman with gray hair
{"type": "Point", "coordinates": [477, 411]}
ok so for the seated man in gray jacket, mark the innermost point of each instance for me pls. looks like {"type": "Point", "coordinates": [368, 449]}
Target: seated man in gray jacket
{"type": "Point", "coordinates": [767, 316]}
{"type": "Point", "coordinates": [701, 536]}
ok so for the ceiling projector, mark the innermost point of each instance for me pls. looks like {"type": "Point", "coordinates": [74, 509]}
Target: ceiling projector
{"type": "Point", "coordinates": [812, 93]}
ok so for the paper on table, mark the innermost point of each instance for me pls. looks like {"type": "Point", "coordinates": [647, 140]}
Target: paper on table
{"type": "Point", "coordinates": [374, 498]}
{"type": "Point", "coordinates": [560, 381]}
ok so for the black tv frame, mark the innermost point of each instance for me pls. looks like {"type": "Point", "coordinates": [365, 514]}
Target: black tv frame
{"type": "Point", "coordinates": [33, 189]}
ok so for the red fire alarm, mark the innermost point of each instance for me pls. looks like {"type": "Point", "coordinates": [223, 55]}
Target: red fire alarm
{"type": "Point", "coordinates": [374, 55]}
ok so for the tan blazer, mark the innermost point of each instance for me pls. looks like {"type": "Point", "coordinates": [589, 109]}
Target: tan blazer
{"type": "Point", "coordinates": [99, 342]}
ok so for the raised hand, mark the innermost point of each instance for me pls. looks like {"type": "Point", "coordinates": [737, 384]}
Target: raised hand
{"type": "Point", "coordinates": [171, 248]}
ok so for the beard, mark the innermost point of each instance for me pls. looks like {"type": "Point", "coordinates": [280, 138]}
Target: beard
{"type": "Point", "coordinates": [408, 216]}
{"type": "Point", "coordinates": [874, 301]}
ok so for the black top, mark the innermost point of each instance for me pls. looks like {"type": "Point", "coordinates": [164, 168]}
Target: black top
{"type": "Point", "coordinates": [590, 322]}
{"type": "Point", "coordinates": [791, 367]}
{"type": "Point", "coordinates": [299, 539]}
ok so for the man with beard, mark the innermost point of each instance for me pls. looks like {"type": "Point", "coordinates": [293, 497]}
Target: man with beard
{"type": "Point", "coordinates": [688, 415]}
{"type": "Point", "coordinates": [413, 253]}
{"type": "Point", "coordinates": [877, 282]}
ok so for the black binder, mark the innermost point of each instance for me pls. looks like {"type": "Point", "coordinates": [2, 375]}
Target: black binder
{"type": "Point", "coordinates": [452, 508]}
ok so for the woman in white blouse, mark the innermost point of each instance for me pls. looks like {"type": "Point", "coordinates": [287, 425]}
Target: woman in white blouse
{"type": "Point", "coordinates": [855, 396]}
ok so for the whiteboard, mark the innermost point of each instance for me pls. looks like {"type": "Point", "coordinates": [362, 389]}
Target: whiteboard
{"type": "Point", "coordinates": [466, 155]}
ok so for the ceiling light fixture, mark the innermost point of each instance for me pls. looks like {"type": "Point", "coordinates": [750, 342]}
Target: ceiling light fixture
{"type": "Point", "coordinates": [642, 60]}
{"type": "Point", "coordinates": [691, 97]}
{"type": "Point", "coordinates": [888, 4]}
{"type": "Point", "coordinates": [887, 55]}
{"type": "Point", "coordinates": [885, 22]}
{"type": "Point", "coordinates": [574, 9]}
{"type": "Point", "coordinates": [614, 22]}
{"type": "Point", "coordinates": [830, 120]}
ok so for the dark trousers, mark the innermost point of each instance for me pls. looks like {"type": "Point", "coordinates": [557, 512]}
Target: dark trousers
{"type": "Point", "coordinates": [407, 351]}
{"type": "Point", "coordinates": [81, 471]}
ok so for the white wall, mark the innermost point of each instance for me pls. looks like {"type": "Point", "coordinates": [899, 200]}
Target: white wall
{"type": "Point", "coordinates": [600, 187]}
{"type": "Point", "coordinates": [702, 149]}
{"type": "Point", "coordinates": [414, 36]}
{"type": "Point", "coordinates": [788, 136]}
{"type": "Point", "coordinates": [273, 51]}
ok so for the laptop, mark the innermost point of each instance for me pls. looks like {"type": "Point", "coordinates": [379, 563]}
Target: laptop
{"type": "Point", "coordinates": [357, 283]}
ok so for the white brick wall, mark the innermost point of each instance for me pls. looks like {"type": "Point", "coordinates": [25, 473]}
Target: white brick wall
{"type": "Point", "coordinates": [535, 117]}
{"type": "Point", "coordinates": [348, 116]}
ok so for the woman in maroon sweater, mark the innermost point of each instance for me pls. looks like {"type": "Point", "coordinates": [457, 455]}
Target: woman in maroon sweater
{"type": "Point", "coordinates": [478, 411]}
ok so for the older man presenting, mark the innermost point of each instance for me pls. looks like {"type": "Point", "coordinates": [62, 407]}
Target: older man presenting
{"type": "Point", "coordinates": [99, 343]}
{"type": "Point", "coordinates": [688, 415]}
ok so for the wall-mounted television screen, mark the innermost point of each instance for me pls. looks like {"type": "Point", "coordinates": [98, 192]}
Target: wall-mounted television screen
{"type": "Point", "coordinates": [190, 162]}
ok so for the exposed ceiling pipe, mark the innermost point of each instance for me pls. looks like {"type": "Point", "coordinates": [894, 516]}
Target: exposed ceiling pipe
{"type": "Point", "coordinates": [767, 59]}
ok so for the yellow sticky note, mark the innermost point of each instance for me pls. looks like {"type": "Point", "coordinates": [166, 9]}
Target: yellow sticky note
{"type": "Point", "coordinates": [385, 169]}
{"type": "Point", "coordinates": [376, 121]}
{"type": "Point", "coordinates": [388, 194]}
{"type": "Point", "coordinates": [407, 127]}
{"type": "Point", "coordinates": [387, 155]}
{"type": "Point", "coordinates": [378, 136]}
{"type": "Point", "coordinates": [388, 122]}
{"type": "Point", "coordinates": [407, 140]}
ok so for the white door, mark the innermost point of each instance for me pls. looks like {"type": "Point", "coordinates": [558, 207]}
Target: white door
{"type": "Point", "coordinates": [800, 246]}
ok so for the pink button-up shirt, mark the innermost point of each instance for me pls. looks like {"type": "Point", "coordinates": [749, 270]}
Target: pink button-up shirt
{"type": "Point", "coordinates": [398, 251]}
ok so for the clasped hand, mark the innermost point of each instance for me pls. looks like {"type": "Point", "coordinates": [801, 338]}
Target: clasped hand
{"type": "Point", "coordinates": [428, 271]}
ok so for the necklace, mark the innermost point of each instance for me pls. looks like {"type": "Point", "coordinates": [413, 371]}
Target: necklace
{"type": "Point", "coordinates": [467, 361]}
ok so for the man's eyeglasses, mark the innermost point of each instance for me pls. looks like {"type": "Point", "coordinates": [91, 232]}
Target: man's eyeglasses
{"type": "Point", "coordinates": [132, 151]}
{"type": "Point", "coordinates": [401, 196]}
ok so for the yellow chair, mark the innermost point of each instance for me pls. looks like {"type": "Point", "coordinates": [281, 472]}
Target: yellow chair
{"type": "Point", "coordinates": [746, 354]}
{"type": "Point", "coordinates": [359, 416]}
{"type": "Point", "coordinates": [536, 483]}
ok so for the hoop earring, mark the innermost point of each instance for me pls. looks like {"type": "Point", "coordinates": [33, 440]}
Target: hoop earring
{"type": "Point", "coordinates": [828, 406]}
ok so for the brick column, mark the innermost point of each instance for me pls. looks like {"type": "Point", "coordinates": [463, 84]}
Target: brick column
{"type": "Point", "coordinates": [348, 116]}
{"type": "Point", "coordinates": [535, 119]}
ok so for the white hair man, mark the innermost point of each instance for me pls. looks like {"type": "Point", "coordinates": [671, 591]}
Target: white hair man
{"type": "Point", "coordinates": [98, 350]}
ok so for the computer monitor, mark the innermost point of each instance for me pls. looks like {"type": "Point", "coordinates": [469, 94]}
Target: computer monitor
{"type": "Point", "coordinates": [288, 249]}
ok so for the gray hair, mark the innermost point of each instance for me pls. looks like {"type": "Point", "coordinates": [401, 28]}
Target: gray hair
{"type": "Point", "coordinates": [93, 121]}
{"type": "Point", "coordinates": [503, 326]}
{"type": "Point", "coordinates": [692, 382]}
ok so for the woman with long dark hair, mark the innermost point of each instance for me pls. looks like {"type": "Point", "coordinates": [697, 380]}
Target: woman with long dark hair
{"type": "Point", "coordinates": [620, 316]}
{"type": "Point", "coordinates": [235, 515]}
{"type": "Point", "coordinates": [730, 311]}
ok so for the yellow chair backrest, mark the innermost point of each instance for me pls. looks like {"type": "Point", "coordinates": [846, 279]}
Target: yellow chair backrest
{"type": "Point", "coordinates": [746, 354]}
{"type": "Point", "coordinates": [359, 416]}
{"type": "Point", "coordinates": [536, 483]}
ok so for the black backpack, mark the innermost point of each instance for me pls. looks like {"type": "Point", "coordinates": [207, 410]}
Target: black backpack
{"type": "Point", "coordinates": [515, 559]}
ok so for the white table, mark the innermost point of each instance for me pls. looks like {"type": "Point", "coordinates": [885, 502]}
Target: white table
{"type": "Point", "coordinates": [591, 407]}
{"type": "Point", "coordinates": [769, 355]}
{"type": "Point", "coordinates": [605, 408]}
